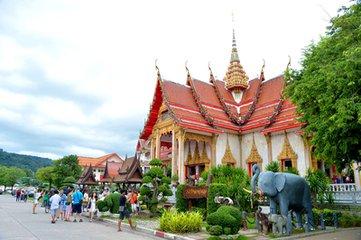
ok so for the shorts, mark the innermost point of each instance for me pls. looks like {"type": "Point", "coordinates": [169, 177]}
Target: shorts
{"type": "Point", "coordinates": [124, 214]}
{"type": "Point", "coordinates": [36, 202]}
{"type": "Point", "coordinates": [134, 207]}
{"type": "Point", "coordinates": [53, 212]}
{"type": "Point", "coordinates": [77, 208]}
{"type": "Point", "coordinates": [68, 209]}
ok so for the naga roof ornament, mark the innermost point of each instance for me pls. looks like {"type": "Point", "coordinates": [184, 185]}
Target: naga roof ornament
{"type": "Point", "coordinates": [236, 78]}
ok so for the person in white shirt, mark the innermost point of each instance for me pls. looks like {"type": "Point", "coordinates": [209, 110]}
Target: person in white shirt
{"type": "Point", "coordinates": [37, 196]}
{"type": "Point", "coordinates": [54, 205]}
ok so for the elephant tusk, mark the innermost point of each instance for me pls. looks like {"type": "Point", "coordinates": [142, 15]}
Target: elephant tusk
{"type": "Point", "coordinates": [247, 191]}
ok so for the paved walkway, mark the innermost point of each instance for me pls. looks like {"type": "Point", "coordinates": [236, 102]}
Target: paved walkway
{"type": "Point", "coordinates": [344, 234]}
{"type": "Point", "coordinates": [18, 223]}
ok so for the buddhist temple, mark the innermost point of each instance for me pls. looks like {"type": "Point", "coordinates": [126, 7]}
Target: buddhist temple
{"type": "Point", "coordinates": [130, 172]}
{"type": "Point", "coordinates": [111, 171]}
{"type": "Point", "coordinates": [235, 121]}
{"type": "Point", "coordinates": [87, 177]}
{"type": "Point", "coordinates": [98, 163]}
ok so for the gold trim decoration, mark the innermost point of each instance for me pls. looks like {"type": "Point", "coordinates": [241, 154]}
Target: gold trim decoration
{"type": "Point", "coordinates": [287, 153]}
{"type": "Point", "coordinates": [254, 156]}
{"type": "Point", "coordinates": [189, 156]}
{"type": "Point", "coordinates": [198, 138]}
{"type": "Point", "coordinates": [196, 156]}
{"type": "Point", "coordinates": [228, 158]}
{"type": "Point", "coordinates": [204, 157]}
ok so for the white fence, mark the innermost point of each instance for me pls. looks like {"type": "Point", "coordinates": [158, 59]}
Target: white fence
{"type": "Point", "coordinates": [346, 193]}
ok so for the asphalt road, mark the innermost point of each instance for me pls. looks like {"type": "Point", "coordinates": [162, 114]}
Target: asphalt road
{"type": "Point", "coordinates": [17, 222]}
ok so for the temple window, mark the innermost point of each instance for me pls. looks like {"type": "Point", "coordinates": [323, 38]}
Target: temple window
{"type": "Point", "coordinates": [253, 158]}
{"type": "Point", "coordinates": [287, 157]}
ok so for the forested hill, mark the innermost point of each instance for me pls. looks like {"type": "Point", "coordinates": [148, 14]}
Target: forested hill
{"type": "Point", "coordinates": [23, 161]}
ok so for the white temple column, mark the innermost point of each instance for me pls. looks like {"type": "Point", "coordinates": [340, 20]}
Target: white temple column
{"type": "Point", "coordinates": [181, 169]}
{"type": "Point", "coordinates": [356, 173]}
{"type": "Point", "coordinates": [174, 154]}
{"type": "Point", "coordinates": [269, 148]}
{"type": "Point", "coordinates": [157, 145]}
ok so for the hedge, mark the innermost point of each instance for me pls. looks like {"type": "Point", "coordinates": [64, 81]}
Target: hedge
{"type": "Point", "coordinates": [228, 217]}
{"type": "Point", "coordinates": [181, 203]}
{"type": "Point", "coordinates": [215, 189]}
{"type": "Point", "coordinates": [180, 222]}
{"type": "Point", "coordinates": [345, 219]}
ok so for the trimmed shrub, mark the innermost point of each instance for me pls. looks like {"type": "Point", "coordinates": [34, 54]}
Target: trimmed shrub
{"type": "Point", "coordinates": [227, 231]}
{"type": "Point", "coordinates": [175, 222]}
{"type": "Point", "coordinates": [215, 230]}
{"type": "Point", "coordinates": [112, 202]}
{"type": "Point", "coordinates": [214, 190]}
{"type": "Point", "coordinates": [235, 180]}
{"type": "Point", "coordinates": [226, 217]}
{"type": "Point", "coordinates": [102, 206]}
{"type": "Point", "coordinates": [273, 166]}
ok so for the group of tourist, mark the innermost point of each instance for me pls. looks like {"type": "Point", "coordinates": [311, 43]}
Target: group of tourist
{"type": "Point", "coordinates": [21, 195]}
{"type": "Point", "coordinates": [67, 204]}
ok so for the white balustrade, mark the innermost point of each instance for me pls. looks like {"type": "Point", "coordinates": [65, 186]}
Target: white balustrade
{"type": "Point", "coordinates": [343, 187]}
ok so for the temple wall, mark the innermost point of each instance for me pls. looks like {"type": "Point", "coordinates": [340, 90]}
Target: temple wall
{"type": "Point", "coordinates": [297, 145]}
{"type": "Point", "coordinates": [221, 147]}
{"type": "Point", "coordinates": [261, 144]}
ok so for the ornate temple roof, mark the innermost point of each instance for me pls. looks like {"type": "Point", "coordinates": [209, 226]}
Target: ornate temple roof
{"type": "Point", "coordinates": [87, 177]}
{"type": "Point", "coordinates": [111, 171]}
{"type": "Point", "coordinates": [130, 172]}
{"type": "Point", "coordinates": [96, 162]}
{"type": "Point", "coordinates": [210, 107]}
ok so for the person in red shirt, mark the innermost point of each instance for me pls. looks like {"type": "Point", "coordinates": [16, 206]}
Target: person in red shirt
{"type": "Point", "coordinates": [133, 201]}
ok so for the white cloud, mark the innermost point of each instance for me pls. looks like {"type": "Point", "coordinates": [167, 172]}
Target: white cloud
{"type": "Point", "coordinates": [84, 151]}
{"type": "Point", "coordinates": [106, 50]}
{"type": "Point", "coordinates": [41, 154]}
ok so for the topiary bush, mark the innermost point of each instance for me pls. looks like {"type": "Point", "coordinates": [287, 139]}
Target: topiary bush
{"type": "Point", "coordinates": [215, 230]}
{"type": "Point", "coordinates": [179, 222]}
{"type": "Point", "coordinates": [226, 217]}
{"type": "Point", "coordinates": [181, 202]}
{"type": "Point", "coordinates": [215, 189]}
{"type": "Point", "coordinates": [102, 206]}
{"type": "Point", "coordinates": [235, 181]}
{"type": "Point", "coordinates": [155, 185]}
{"type": "Point", "coordinates": [112, 202]}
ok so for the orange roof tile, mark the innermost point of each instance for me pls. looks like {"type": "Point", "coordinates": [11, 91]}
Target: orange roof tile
{"type": "Point", "coordinates": [95, 162]}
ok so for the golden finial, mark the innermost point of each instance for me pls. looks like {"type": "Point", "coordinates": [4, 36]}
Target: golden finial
{"type": "Point", "coordinates": [289, 62]}
{"type": "Point", "coordinates": [210, 69]}
{"type": "Point", "coordinates": [263, 65]}
{"type": "Point", "coordinates": [186, 66]}
{"type": "Point", "coordinates": [156, 67]}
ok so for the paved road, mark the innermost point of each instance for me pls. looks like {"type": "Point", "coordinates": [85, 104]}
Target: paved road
{"type": "Point", "coordinates": [17, 223]}
{"type": "Point", "coordinates": [349, 234]}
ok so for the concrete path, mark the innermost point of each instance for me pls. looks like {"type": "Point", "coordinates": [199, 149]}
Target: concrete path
{"type": "Point", "coordinates": [344, 234]}
{"type": "Point", "coordinates": [18, 223]}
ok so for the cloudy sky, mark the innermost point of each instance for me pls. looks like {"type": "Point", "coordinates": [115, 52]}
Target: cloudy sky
{"type": "Point", "coordinates": [77, 77]}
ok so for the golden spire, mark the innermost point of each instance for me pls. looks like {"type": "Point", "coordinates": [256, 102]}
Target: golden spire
{"type": "Point", "coordinates": [236, 78]}
{"type": "Point", "coordinates": [254, 156]}
{"type": "Point", "coordinates": [228, 158]}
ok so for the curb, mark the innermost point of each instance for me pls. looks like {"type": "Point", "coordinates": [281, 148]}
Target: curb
{"type": "Point", "coordinates": [148, 231]}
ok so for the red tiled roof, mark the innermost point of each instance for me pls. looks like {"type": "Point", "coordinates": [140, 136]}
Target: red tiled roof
{"type": "Point", "coordinates": [210, 107]}
{"type": "Point", "coordinates": [95, 162]}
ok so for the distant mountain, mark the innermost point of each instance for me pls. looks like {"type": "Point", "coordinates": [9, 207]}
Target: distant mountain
{"type": "Point", "coordinates": [23, 161]}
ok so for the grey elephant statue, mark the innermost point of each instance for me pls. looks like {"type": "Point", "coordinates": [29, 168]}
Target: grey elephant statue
{"type": "Point", "coordinates": [289, 191]}
{"type": "Point", "coordinates": [278, 223]}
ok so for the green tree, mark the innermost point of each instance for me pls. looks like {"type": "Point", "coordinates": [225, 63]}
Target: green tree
{"type": "Point", "coordinates": [46, 174]}
{"type": "Point", "coordinates": [67, 166]}
{"type": "Point", "coordinates": [319, 183]}
{"type": "Point", "coordinates": [11, 175]}
{"type": "Point", "coordinates": [327, 89]}
{"type": "Point", "coordinates": [156, 185]}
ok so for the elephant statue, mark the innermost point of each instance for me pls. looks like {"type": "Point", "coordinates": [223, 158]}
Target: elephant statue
{"type": "Point", "coordinates": [289, 191]}
{"type": "Point", "coordinates": [278, 223]}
